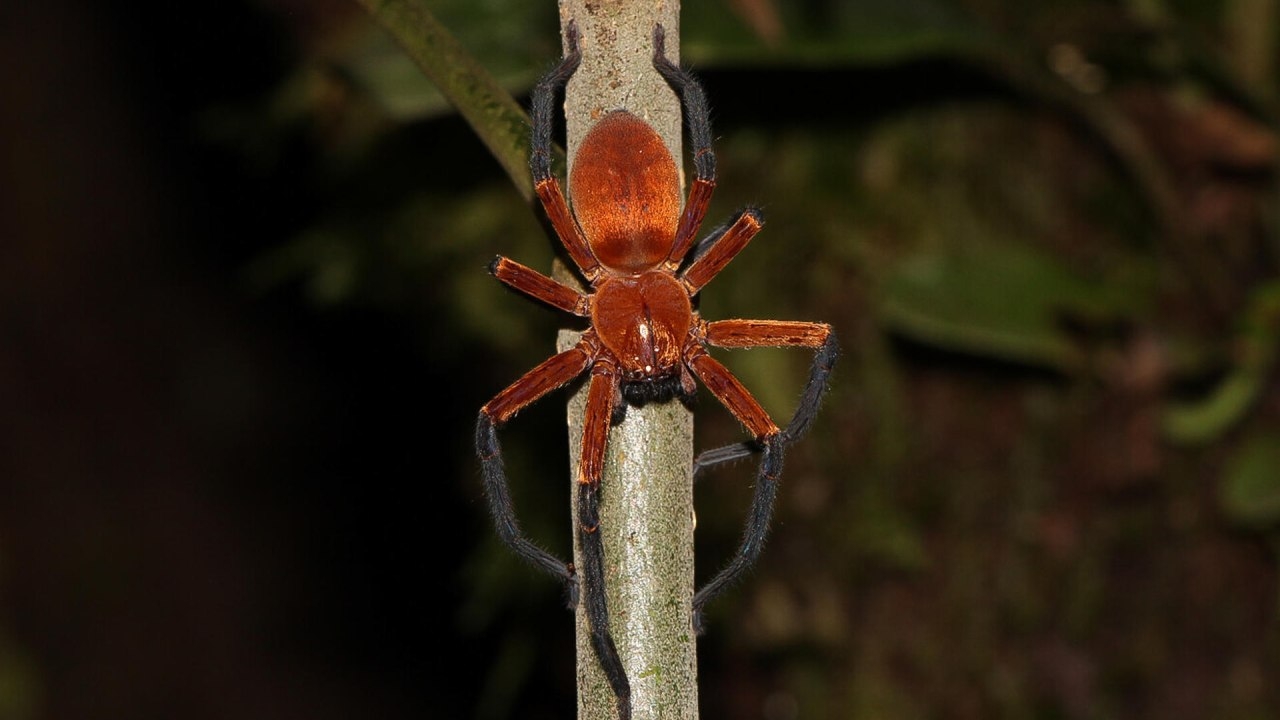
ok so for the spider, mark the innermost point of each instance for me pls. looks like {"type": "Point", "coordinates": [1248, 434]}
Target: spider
{"type": "Point", "coordinates": [635, 247]}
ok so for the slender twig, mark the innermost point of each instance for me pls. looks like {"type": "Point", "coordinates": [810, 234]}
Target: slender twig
{"type": "Point", "coordinates": [497, 119]}
{"type": "Point", "coordinates": [646, 513]}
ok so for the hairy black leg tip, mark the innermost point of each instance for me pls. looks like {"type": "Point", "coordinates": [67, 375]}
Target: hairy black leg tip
{"type": "Point", "coordinates": [698, 626]}
{"type": "Point", "coordinates": [571, 596]}
{"type": "Point", "coordinates": [659, 44]}
{"type": "Point", "coordinates": [571, 35]}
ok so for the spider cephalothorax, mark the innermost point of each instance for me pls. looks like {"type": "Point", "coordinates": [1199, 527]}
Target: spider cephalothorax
{"type": "Point", "coordinates": [634, 245]}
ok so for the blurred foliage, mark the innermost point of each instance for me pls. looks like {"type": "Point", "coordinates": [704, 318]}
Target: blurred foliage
{"type": "Point", "coordinates": [1001, 302]}
{"type": "Point", "coordinates": [1046, 481]}
{"type": "Point", "coordinates": [1251, 487]}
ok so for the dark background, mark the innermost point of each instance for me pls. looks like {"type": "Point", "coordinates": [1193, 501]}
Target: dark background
{"type": "Point", "coordinates": [246, 329]}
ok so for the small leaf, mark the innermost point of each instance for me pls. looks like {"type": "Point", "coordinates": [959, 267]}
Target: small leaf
{"type": "Point", "coordinates": [1206, 420]}
{"type": "Point", "coordinates": [1006, 303]}
{"type": "Point", "coordinates": [1250, 492]}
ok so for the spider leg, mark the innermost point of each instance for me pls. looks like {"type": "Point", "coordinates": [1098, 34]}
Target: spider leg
{"type": "Point", "coordinates": [697, 118]}
{"type": "Point", "coordinates": [721, 249]}
{"type": "Point", "coordinates": [698, 249]}
{"type": "Point", "coordinates": [532, 386]}
{"type": "Point", "coordinates": [775, 333]}
{"type": "Point", "coordinates": [538, 286]}
{"type": "Point", "coordinates": [715, 457]}
{"type": "Point", "coordinates": [754, 532]}
{"type": "Point", "coordinates": [786, 333]}
{"type": "Point", "coordinates": [731, 393]}
{"type": "Point", "coordinates": [602, 396]}
{"type": "Point", "coordinates": [764, 333]}
{"type": "Point", "coordinates": [696, 110]}
{"type": "Point", "coordinates": [542, 110]}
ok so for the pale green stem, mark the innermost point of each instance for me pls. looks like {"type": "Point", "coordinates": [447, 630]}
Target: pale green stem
{"type": "Point", "coordinates": [646, 511]}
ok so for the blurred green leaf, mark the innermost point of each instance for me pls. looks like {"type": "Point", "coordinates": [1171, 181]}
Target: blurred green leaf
{"type": "Point", "coordinates": [1007, 303]}
{"type": "Point", "coordinates": [1250, 492]}
{"type": "Point", "coordinates": [1206, 419]}
{"type": "Point", "coordinates": [859, 33]}
{"type": "Point", "coordinates": [390, 77]}
{"type": "Point", "coordinates": [491, 111]}
{"type": "Point", "coordinates": [511, 41]}
{"type": "Point", "coordinates": [891, 538]}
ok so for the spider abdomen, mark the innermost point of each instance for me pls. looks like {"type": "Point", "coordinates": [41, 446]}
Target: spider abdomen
{"type": "Point", "coordinates": [626, 193]}
{"type": "Point", "coordinates": [643, 320]}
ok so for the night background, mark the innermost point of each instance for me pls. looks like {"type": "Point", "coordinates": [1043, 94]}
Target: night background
{"type": "Point", "coordinates": [247, 328]}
